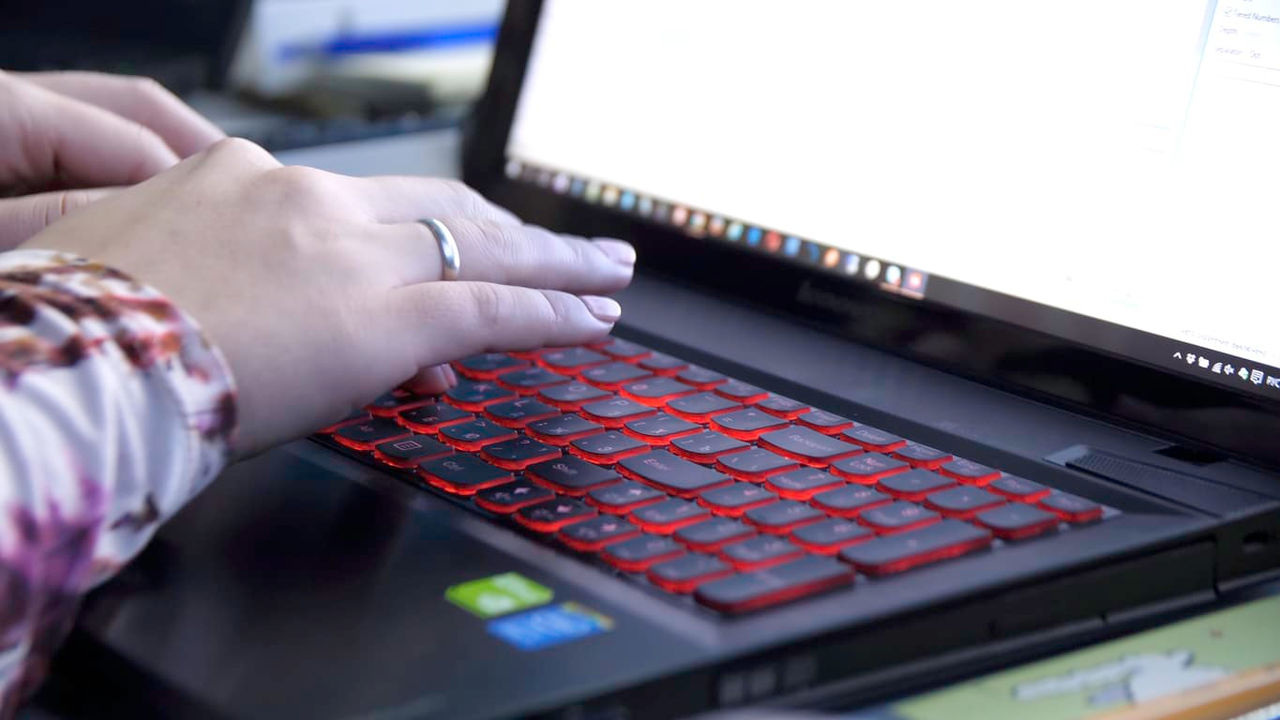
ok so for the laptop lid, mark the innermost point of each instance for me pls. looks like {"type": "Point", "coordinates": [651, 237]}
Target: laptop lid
{"type": "Point", "coordinates": [1070, 201]}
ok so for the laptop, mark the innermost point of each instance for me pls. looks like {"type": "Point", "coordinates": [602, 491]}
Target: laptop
{"type": "Point", "coordinates": [930, 365]}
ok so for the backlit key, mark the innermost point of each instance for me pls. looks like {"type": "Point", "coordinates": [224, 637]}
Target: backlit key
{"type": "Point", "coordinates": [706, 446]}
{"type": "Point", "coordinates": [508, 498]}
{"type": "Point", "coordinates": [529, 380]}
{"type": "Point", "coordinates": [746, 424]}
{"type": "Point", "coordinates": [393, 403]}
{"type": "Point", "coordinates": [783, 407]}
{"type": "Point", "coordinates": [1072, 508]}
{"type": "Point", "coordinates": [783, 516]}
{"type": "Point", "coordinates": [660, 429]}
{"type": "Point", "coordinates": [614, 375]}
{"type": "Point", "coordinates": [475, 434]}
{"type": "Point", "coordinates": [663, 364]}
{"type": "Point", "coordinates": [969, 472]}
{"type": "Point", "coordinates": [824, 422]}
{"type": "Point", "coordinates": [369, 434]}
{"type": "Point", "coordinates": [826, 537]}
{"type": "Point", "coordinates": [562, 429]}
{"type": "Point", "coordinates": [739, 391]}
{"type": "Point", "coordinates": [593, 534]}
{"type": "Point", "coordinates": [897, 517]}
{"type": "Point", "coordinates": [1016, 488]}
{"type": "Point", "coordinates": [686, 573]}
{"type": "Point", "coordinates": [914, 484]}
{"type": "Point", "coordinates": [764, 588]}
{"type": "Point", "coordinates": [625, 350]}
{"type": "Point", "coordinates": [922, 456]}
{"type": "Point", "coordinates": [571, 396]}
{"type": "Point", "coordinates": [431, 417]}
{"type": "Point", "coordinates": [664, 518]}
{"type": "Point", "coordinates": [551, 515]}
{"type": "Point", "coordinates": [802, 484]}
{"type": "Point", "coordinates": [408, 452]}
{"type": "Point", "coordinates": [607, 448]}
{"type": "Point", "coordinates": [808, 446]}
{"type": "Point", "coordinates": [700, 377]}
{"type": "Point", "coordinates": [873, 439]}
{"type": "Point", "coordinates": [615, 412]}
{"type": "Point", "coordinates": [671, 474]}
{"type": "Point", "coordinates": [849, 501]}
{"type": "Point", "coordinates": [868, 468]}
{"type": "Point", "coordinates": [474, 395]}
{"type": "Point", "coordinates": [754, 464]}
{"type": "Point", "coordinates": [462, 474]}
{"type": "Point", "coordinates": [963, 502]}
{"type": "Point", "coordinates": [759, 552]}
{"type": "Point", "coordinates": [519, 453]}
{"type": "Point", "coordinates": [733, 500]}
{"type": "Point", "coordinates": [571, 476]}
{"type": "Point", "coordinates": [713, 534]}
{"type": "Point", "coordinates": [656, 392]}
{"type": "Point", "coordinates": [897, 553]}
{"type": "Point", "coordinates": [1016, 521]}
{"type": "Point", "coordinates": [488, 366]}
{"type": "Point", "coordinates": [701, 407]}
{"type": "Point", "coordinates": [519, 412]}
{"type": "Point", "coordinates": [570, 360]}
{"type": "Point", "coordinates": [621, 498]}
{"type": "Point", "coordinates": [640, 553]}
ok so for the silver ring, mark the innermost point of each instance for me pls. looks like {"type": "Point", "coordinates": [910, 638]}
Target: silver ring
{"type": "Point", "coordinates": [448, 248]}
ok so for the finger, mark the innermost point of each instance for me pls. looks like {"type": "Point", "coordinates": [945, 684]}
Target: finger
{"type": "Point", "coordinates": [515, 255]}
{"type": "Point", "coordinates": [139, 99]}
{"type": "Point", "coordinates": [432, 381]}
{"type": "Point", "coordinates": [454, 319]}
{"type": "Point", "coordinates": [403, 198]}
{"type": "Point", "coordinates": [23, 217]}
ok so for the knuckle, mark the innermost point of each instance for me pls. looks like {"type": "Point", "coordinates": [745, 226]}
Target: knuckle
{"type": "Point", "coordinates": [240, 149]}
{"type": "Point", "coordinates": [298, 185]}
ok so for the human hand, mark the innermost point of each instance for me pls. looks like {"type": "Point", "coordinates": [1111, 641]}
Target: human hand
{"type": "Point", "coordinates": [69, 132]}
{"type": "Point", "coordinates": [321, 290]}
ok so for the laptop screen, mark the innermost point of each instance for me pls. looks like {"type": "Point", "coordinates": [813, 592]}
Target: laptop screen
{"type": "Point", "coordinates": [1102, 170]}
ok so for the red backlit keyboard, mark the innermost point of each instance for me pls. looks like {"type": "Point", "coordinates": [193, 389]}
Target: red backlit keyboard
{"type": "Point", "coordinates": [694, 482]}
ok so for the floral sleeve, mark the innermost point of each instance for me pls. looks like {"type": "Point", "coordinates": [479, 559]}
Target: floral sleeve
{"type": "Point", "coordinates": [114, 411]}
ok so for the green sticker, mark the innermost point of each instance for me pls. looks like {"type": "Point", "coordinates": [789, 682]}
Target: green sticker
{"type": "Point", "coordinates": [498, 595]}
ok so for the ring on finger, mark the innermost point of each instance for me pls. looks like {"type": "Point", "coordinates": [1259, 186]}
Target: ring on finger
{"type": "Point", "coordinates": [449, 255]}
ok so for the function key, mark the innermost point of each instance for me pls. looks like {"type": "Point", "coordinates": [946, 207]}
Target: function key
{"type": "Point", "coordinates": [783, 516]}
{"type": "Point", "coordinates": [849, 500]}
{"type": "Point", "coordinates": [408, 452]}
{"type": "Point", "coordinates": [529, 380]}
{"type": "Point", "coordinates": [368, 434]}
{"type": "Point", "coordinates": [705, 447]}
{"type": "Point", "coordinates": [828, 536]}
{"type": "Point", "coordinates": [506, 499]}
{"type": "Point", "coordinates": [1072, 508]}
{"type": "Point", "coordinates": [562, 429]}
{"type": "Point", "coordinates": [700, 407]}
{"type": "Point", "coordinates": [621, 498]}
{"type": "Point", "coordinates": [736, 499]}
{"type": "Point", "coordinates": [663, 364]}
{"type": "Point", "coordinates": [874, 439]}
{"type": "Point", "coordinates": [431, 417]}
{"type": "Point", "coordinates": [475, 434]}
{"type": "Point", "coordinates": [922, 456]}
{"type": "Point", "coordinates": [571, 476]}
{"type": "Point", "coordinates": [519, 453]}
{"type": "Point", "coordinates": [519, 412]}
{"type": "Point", "coordinates": [969, 472]}
{"type": "Point", "coordinates": [613, 375]}
{"type": "Point", "coordinates": [570, 360]}
{"type": "Point", "coordinates": [963, 502]}
{"type": "Point", "coordinates": [896, 553]}
{"type": "Point", "coordinates": [660, 429]}
{"type": "Point", "coordinates": [607, 448]}
{"type": "Point", "coordinates": [640, 553]}
{"type": "Point", "coordinates": [764, 588]}
{"type": "Point", "coordinates": [914, 484]}
{"type": "Point", "coordinates": [869, 468]}
{"type": "Point", "coordinates": [759, 552]}
{"type": "Point", "coordinates": [656, 392]}
{"type": "Point", "coordinates": [1016, 488]}
{"type": "Point", "coordinates": [615, 412]}
{"type": "Point", "coordinates": [1016, 521]}
{"type": "Point", "coordinates": [824, 422]}
{"type": "Point", "coordinates": [783, 407]}
{"type": "Point", "coordinates": [713, 534]}
{"type": "Point", "coordinates": [393, 403]}
{"type": "Point", "coordinates": [474, 395]}
{"type": "Point", "coordinates": [803, 484]}
{"type": "Point", "coordinates": [685, 574]}
{"type": "Point", "coordinates": [808, 446]}
{"type": "Point", "coordinates": [700, 377]}
{"type": "Point", "coordinates": [592, 535]}
{"type": "Point", "coordinates": [754, 464]}
{"type": "Point", "coordinates": [671, 474]}
{"type": "Point", "coordinates": [746, 424]}
{"type": "Point", "coordinates": [897, 517]}
{"type": "Point", "coordinates": [739, 391]}
{"type": "Point", "coordinates": [571, 396]}
{"type": "Point", "coordinates": [462, 474]}
{"type": "Point", "coordinates": [551, 515]}
{"type": "Point", "coordinates": [625, 349]}
{"type": "Point", "coordinates": [487, 366]}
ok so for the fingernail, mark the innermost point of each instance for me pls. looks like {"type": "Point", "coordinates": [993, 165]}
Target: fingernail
{"type": "Point", "coordinates": [450, 376]}
{"type": "Point", "coordinates": [618, 251]}
{"type": "Point", "coordinates": [605, 309]}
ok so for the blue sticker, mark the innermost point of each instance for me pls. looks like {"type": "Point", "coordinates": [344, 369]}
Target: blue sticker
{"type": "Point", "coordinates": [549, 626]}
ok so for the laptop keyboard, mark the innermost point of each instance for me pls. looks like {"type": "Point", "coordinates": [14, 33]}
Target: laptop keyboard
{"type": "Point", "coordinates": [696, 483]}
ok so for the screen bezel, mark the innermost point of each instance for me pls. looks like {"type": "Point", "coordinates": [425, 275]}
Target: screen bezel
{"type": "Point", "coordinates": [1177, 408]}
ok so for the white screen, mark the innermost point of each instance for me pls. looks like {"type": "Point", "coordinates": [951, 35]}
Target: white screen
{"type": "Point", "coordinates": [1114, 158]}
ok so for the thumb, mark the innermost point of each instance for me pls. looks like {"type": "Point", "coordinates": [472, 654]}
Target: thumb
{"type": "Point", "coordinates": [23, 217]}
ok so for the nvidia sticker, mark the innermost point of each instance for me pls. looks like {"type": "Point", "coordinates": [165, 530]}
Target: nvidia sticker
{"type": "Point", "coordinates": [498, 595]}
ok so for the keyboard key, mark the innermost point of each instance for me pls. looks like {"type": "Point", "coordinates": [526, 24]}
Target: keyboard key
{"type": "Point", "coordinates": [571, 476]}
{"type": "Point", "coordinates": [700, 407]}
{"type": "Point", "coordinates": [1016, 488]}
{"type": "Point", "coordinates": [519, 412]}
{"type": "Point", "coordinates": [914, 484]}
{"type": "Point", "coordinates": [656, 392]}
{"type": "Point", "coordinates": [808, 446]}
{"type": "Point", "coordinates": [700, 377]}
{"type": "Point", "coordinates": [487, 366]}
{"type": "Point", "coordinates": [733, 500]}
{"type": "Point", "coordinates": [409, 451]}
{"type": "Point", "coordinates": [663, 364]}
{"type": "Point", "coordinates": [431, 417]}
{"type": "Point", "coordinates": [368, 434]}
{"type": "Point", "coordinates": [671, 474]}
{"type": "Point", "coordinates": [621, 498]}
{"type": "Point", "coordinates": [824, 422]}
{"type": "Point", "coordinates": [391, 404]}
{"type": "Point", "coordinates": [759, 552]}
{"type": "Point", "coordinates": [849, 501]}
{"type": "Point", "coordinates": [528, 381]}
{"type": "Point", "coordinates": [828, 536]}
{"type": "Point", "coordinates": [783, 516]}
{"type": "Point", "coordinates": [613, 375]}
{"type": "Point", "coordinates": [1072, 508]}
{"type": "Point", "coordinates": [738, 391]}
{"type": "Point", "coordinates": [664, 518]}
{"type": "Point", "coordinates": [640, 553]}
{"type": "Point", "coordinates": [462, 474]}
{"type": "Point", "coordinates": [684, 574]}
{"type": "Point", "coordinates": [711, 535]}
{"type": "Point", "coordinates": [922, 456]}
{"type": "Point", "coordinates": [551, 515]}
{"type": "Point", "coordinates": [358, 416]}
{"type": "Point", "coordinates": [506, 499]}
{"type": "Point", "coordinates": [607, 448]}
{"type": "Point", "coordinates": [754, 464]}
{"type": "Point", "coordinates": [746, 424]}
{"type": "Point", "coordinates": [868, 468]}
{"type": "Point", "coordinates": [475, 434]}
{"type": "Point", "coordinates": [474, 395]}
{"type": "Point", "coordinates": [873, 439]}
{"type": "Point", "coordinates": [562, 429]}
{"type": "Point", "coordinates": [616, 412]}
{"type": "Point", "coordinates": [519, 453]}
{"type": "Point", "coordinates": [802, 484]}
{"type": "Point", "coordinates": [571, 396]}
{"type": "Point", "coordinates": [1016, 521]}
{"type": "Point", "coordinates": [571, 360]}
{"type": "Point", "coordinates": [705, 447]}
{"type": "Point", "coordinates": [625, 350]}
{"type": "Point", "coordinates": [594, 534]}
{"type": "Point", "coordinates": [756, 590]}
{"type": "Point", "coordinates": [963, 502]}
{"type": "Point", "coordinates": [969, 472]}
{"type": "Point", "coordinates": [660, 429]}
{"type": "Point", "coordinates": [897, 517]}
{"type": "Point", "coordinates": [896, 553]}
{"type": "Point", "coordinates": [783, 407]}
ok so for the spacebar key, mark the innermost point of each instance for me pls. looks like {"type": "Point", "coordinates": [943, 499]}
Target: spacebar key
{"type": "Point", "coordinates": [771, 586]}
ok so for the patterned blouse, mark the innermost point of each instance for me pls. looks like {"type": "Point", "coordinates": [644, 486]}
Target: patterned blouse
{"type": "Point", "coordinates": [114, 411]}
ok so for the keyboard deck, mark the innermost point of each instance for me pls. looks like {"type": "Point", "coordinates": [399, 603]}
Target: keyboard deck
{"type": "Point", "coordinates": [696, 483]}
